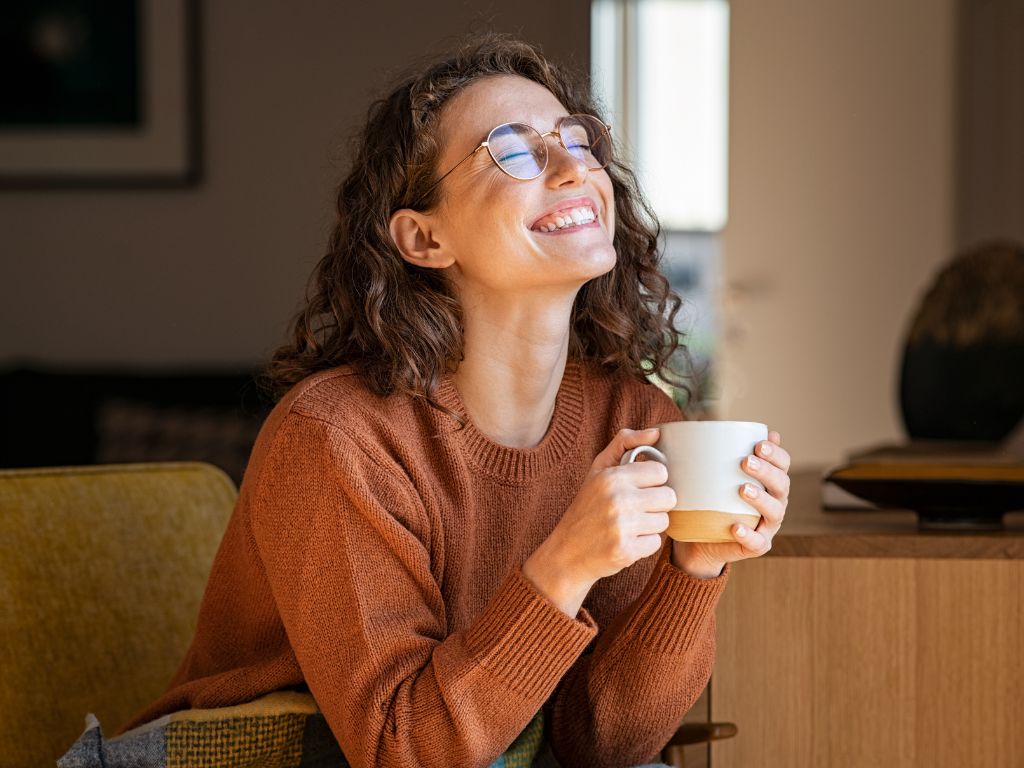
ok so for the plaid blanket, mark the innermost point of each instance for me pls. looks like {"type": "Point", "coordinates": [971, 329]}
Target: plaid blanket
{"type": "Point", "coordinates": [280, 730]}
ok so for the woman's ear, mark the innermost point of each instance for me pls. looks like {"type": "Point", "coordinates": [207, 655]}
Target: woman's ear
{"type": "Point", "coordinates": [415, 236]}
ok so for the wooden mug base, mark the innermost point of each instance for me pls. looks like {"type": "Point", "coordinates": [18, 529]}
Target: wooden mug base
{"type": "Point", "coordinates": [706, 525]}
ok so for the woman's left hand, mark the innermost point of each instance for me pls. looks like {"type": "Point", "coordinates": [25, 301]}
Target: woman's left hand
{"type": "Point", "coordinates": [706, 560]}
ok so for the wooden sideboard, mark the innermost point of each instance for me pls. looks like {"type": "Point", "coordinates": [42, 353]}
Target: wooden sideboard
{"type": "Point", "coordinates": [859, 641]}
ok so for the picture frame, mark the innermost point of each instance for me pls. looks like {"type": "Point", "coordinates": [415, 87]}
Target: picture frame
{"type": "Point", "coordinates": [135, 130]}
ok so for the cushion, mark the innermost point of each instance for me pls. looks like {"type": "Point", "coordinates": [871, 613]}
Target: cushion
{"type": "Point", "coordinates": [284, 729]}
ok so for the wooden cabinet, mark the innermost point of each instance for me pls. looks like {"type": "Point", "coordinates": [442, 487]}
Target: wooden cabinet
{"type": "Point", "coordinates": [858, 641]}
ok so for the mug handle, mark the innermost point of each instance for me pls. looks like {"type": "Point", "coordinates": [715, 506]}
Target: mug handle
{"type": "Point", "coordinates": [630, 456]}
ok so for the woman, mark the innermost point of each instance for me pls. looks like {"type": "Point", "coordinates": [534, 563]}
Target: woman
{"type": "Point", "coordinates": [433, 533]}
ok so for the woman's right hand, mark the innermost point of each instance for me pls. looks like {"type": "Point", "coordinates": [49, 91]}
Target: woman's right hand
{"type": "Point", "coordinates": [616, 519]}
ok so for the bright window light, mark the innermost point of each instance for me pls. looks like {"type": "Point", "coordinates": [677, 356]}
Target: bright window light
{"type": "Point", "coordinates": [661, 67]}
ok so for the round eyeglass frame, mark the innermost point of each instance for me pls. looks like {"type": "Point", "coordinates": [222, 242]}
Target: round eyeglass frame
{"type": "Point", "coordinates": [605, 127]}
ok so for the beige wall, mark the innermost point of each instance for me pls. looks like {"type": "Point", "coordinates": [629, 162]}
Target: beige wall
{"type": "Point", "coordinates": [210, 275]}
{"type": "Point", "coordinates": [841, 208]}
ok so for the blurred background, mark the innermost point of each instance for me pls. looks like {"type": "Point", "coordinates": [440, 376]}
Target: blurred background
{"type": "Point", "coordinates": [815, 165]}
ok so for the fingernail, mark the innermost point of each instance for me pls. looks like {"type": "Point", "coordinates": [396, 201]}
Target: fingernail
{"type": "Point", "coordinates": [749, 491]}
{"type": "Point", "coordinates": [753, 463]}
{"type": "Point", "coordinates": [766, 449]}
{"type": "Point", "coordinates": [741, 531]}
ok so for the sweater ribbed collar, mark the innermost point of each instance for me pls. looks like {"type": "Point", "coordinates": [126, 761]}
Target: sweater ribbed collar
{"type": "Point", "coordinates": [522, 465]}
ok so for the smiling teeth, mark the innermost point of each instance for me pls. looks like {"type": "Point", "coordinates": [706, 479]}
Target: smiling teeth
{"type": "Point", "coordinates": [571, 218]}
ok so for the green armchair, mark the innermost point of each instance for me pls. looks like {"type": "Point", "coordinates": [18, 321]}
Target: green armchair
{"type": "Point", "coordinates": [101, 572]}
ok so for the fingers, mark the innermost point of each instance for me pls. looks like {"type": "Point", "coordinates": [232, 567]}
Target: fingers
{"type": "Point", "coordinates": [624, 492]}
{"type": "Point", "coordinates": [642, 511]}
{"type": "Point", "coordinates": [624, 440]}
{"type": "Point", "coordinates": [771, 450]}
{"type": "Point", "coordinates": [772, 501]}
{"type": "Point", "coordinates": [775, 479]}
{"type": "Point", "coordinates": [642, 474]}
{"type": "Point", "coordinates": [753, 543]}
{"type": "Point", "coordinates": [659, 498]}
{"type": "Point", "coordinates": [651, 523]}
{"type": "Point", "coordinates": [771, 509]}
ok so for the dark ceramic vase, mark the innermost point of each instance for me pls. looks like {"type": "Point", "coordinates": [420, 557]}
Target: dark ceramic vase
{"type": "Point", "coordinates": [973, 392]}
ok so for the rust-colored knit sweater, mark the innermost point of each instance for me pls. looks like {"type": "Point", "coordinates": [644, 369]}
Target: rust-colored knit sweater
{"type": "Point", "coordinates": [374, 554]}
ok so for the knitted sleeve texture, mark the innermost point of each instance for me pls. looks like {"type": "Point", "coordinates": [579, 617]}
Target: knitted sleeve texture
{"type": "Point", "coordinates": [346, 545]}
{"type": "Point", "coordinates": [622, 701]}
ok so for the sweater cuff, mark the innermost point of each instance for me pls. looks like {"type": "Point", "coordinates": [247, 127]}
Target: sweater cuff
{"type": "Point", "coordinates": [674, 608]}
{"type": "Point", "coordinates": [525, 640]}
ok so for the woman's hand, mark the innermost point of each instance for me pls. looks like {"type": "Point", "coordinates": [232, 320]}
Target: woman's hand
{"type": "Point", "coordinates": [706, 560]}
{"type": "Point", "coordinates": [616, 519]}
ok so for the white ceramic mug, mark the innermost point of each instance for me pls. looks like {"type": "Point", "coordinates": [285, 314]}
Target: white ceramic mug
{"type": "Point", "coordinates": [704, 469]}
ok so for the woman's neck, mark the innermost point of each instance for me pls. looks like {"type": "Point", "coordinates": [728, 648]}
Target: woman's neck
{"type": "Point", "coordinates": [512, 369]}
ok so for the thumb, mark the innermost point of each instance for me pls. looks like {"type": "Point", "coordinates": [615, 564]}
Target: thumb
{"type": "Point", "coordinates": [624, 440]}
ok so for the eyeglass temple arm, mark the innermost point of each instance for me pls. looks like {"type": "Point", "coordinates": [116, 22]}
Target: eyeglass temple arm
{"type": "Point", "coordinates": [433, 186]}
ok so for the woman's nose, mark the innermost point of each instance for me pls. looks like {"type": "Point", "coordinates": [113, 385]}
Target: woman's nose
{"type": "Point", "coordinates": [563, 166]}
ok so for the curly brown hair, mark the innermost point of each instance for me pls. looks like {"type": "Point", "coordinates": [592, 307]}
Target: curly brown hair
{"type": "Point", "coordinates": [400, 326]}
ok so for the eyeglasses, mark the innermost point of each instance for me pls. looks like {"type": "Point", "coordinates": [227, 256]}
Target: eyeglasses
{"type": "Point", "coordinates": [520, 150]}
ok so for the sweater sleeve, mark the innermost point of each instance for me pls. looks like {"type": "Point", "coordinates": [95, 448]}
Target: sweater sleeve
{"type": "Point", "coordinates": [620, 704]}
{"type": "Point", "coordinates": [345, 543]}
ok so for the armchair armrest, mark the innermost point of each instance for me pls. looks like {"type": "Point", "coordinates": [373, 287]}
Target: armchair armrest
{"type": "Point", "coordinates": [697, 733]}
{"type": "Point", "coordinates": [694, 733]}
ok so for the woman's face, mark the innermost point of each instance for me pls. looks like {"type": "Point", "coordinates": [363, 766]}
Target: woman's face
{"type": "Point", "coordinates": [494, 226]}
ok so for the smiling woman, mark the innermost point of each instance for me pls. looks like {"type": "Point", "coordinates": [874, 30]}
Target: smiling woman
{"type": "Point", "coordinates": [434, 537]}
{"type": "Point", "coordinates": [491, 230]}
{"type": "Point", "coordinates": [411, 157]}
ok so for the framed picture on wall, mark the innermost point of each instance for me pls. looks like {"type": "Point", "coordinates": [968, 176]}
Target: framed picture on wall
{"type": "Point", "coordinates": [99, 93]}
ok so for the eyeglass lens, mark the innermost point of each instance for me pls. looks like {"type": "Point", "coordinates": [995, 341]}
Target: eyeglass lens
{"type": "Point", "coordinates": [521, 152]}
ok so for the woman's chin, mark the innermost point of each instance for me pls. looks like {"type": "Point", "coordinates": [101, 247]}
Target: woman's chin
{"type": "Point", "coordinates": [596, 261]}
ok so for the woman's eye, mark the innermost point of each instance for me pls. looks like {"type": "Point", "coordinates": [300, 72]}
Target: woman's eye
{"type": "Point", "coordinates": [512, 156]}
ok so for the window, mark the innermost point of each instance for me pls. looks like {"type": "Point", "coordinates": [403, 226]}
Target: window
{"type": "Point", "coordinates": [660, 68]}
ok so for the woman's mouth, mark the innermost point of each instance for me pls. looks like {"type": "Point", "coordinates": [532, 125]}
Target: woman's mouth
{"type": "Point", "coordinates": [567, 219]}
